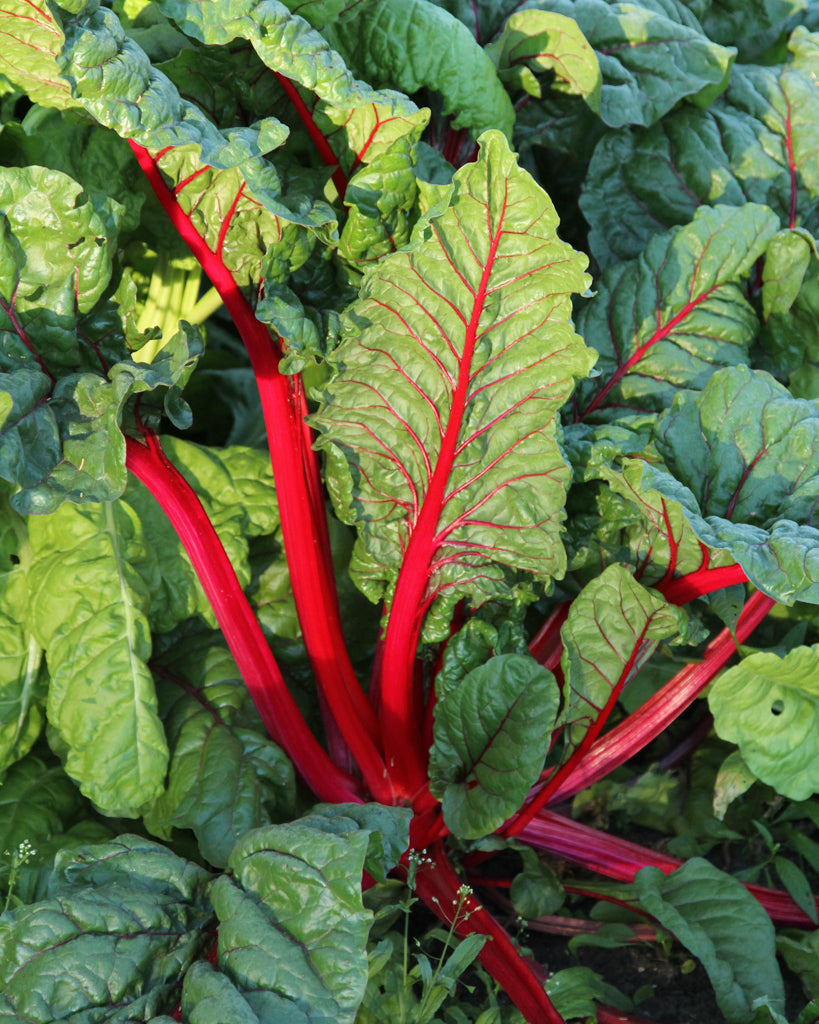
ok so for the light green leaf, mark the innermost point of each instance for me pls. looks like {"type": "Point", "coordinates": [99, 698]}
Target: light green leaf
{"type": "Point", "coordinates": [668, 319]}
{"type": "Point", "coordinates": [541, 40]}
{"type": "Point", "coordinates": [226, 776]}
{"type": "Point", "coordinates": [613, 627]}
{"type": "Point", "coordinates": [769, 707]}
{"type": "Point", "coordinates": [786, 262]}
{"type": "Point", "coordinates": [733, 779]}
{"type": "Point", "coordinates": [652, 54]}
{"type": "Point", "coordinates": [293, 931]}
{"type": "Point", "coordinates": [575, 989]}
{"type": "Point", "coordinates": [388, 829]}
{"type": "Point", "coordinates": [742, 458]}
{"type": "Point", "coordinates": [32, 40]}
{"type": "Point", "coordinates": [449, 378]}
{"type": "Point", "coordinates": [88, 611]}
{"type": "Point", "coordinates": [713, 915]}
{"type": "Point", "coordinates": [490, 739]}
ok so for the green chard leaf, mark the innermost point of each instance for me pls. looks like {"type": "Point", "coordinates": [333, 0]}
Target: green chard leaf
{"type": "Point", "coordinates": [752, 29]}
{"type": "Point", "coordinates": [412, 45]}
{"type": "Point", "coordinates": [490, 740]}
{"type": "Point", "coordinates": [786, 263]}
{"type": "Point", "coordinates": [65, 367]}
{"type": "Point", "coordinates": [668, 319]}
{"type": "Point", "coordinates": [713, 915]}
{"type": "Point", "coordinates": [742, 455]}
{"type": "Point", "coordinates": [33, 38]}
{"type": "Point", "coordinates": [769, 707]}
{"type": "Point", "coordinates": [292, 928]}
{"type": "Point", "coordinates": [613, 627]}
{"type": "Point", "coordinates": [757, 143]}
{"type": "Point", "coordinates": [89, 612]}
{"type": "Point", "coordinates": [452, 361]}
{"type": "Point", "coordinates": [226, 776]}
{"type": "Point", "coordinates": [543, 41]}
{"type": "Point", "coordinates": [651, 54]}
{"type": "Point", "coordinates": [123, 923]}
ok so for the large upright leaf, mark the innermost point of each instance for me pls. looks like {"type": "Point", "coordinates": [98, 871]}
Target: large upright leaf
{"type": "Point", "coordinates": [742, 463]}
{"type": "Point", "coordinates": [613, 627]}
{"type": "Point", "coordinates": [490, 740]}
{"type": "Point", "coordinates": [757, 143]}
{"type": "Point", "coordinates": [668, 319]}
{"type": "Point", "coordinates": [652, 54]}
{"type": "Point", "coordinates": [457, 357]}
{"type": "Point", "coordinates": [88, 610]}
{"type": "Point", "coordinates": [33, 37]}
{"type": "Point", "coordinates": [123, 924]}
{"type": "Point", "coordinates": [293, 931]}
{"type": "Point", "coordinates": [720, 922]}
{"type": "Point", "coordinates": [769, 707]}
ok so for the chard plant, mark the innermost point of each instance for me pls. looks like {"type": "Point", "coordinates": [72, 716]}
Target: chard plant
{"type": "Point", "coordinates": [359, 512]}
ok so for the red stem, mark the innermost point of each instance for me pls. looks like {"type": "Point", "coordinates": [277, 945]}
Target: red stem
{"type": "Point", "coordinates": [621, 860]}
{"type": "Point", "coordinates": [298, 490]}
{"type": "Point", "coordinates": [438, 886]}
{"type": "Point", "coordinates": [703, 581]}
{"type": "Point", "coordinates": [318, 139]}
{"type": "Point", "coordinates": [242, 631]}
{"type": "Point", "coordinates": [647, 722]}
{"type": "Point", "coordinates": [401, 714]}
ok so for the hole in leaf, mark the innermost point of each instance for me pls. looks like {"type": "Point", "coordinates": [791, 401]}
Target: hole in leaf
{"type": "Point", "coordinates": [777, 707]}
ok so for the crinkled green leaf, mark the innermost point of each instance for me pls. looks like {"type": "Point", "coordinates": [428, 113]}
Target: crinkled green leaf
{"type": "Point", "coordinates": [412, 45]}
{"type": "Point", "coordinates": [758, 143]}
{"type": "Point", "coordinates": [786, 262]}
{"type": "Point", "coordinates": [668, 319]}
{"type": "Point", "coordinates": [292, 928]}
{"type": "Point", "coordinates": [483, 18]}
{"type": "Point", "coordinates": [88, 611]}
{"type": "Point", "coordinates": [454, 365]}
{"type": "Point", "coordinates": [225, 776]}
{"type": "Point", "coordinates": [113, 940]}
{"type": "Point", "coordinates": [769, 707]}
{"type": "Point", "coordinates": [490, 738]}
{"type": "Point", "coordinates": [713, 915]}
{"type": "Point", "coordinates": [65, 361]}
{"type": "Point", "coordinates": [743, 455]}
{"type": "Point", "coordinates": [387, 827]}
{"type": "Point", "coordinates": [652, 54]}
{"type": "Point", "coordinates": [613, 627]}
{"type": "Point", "coordinates": [473, 645]}
{"type": "Point", "coordinates": [208, 997]}
{"type": "Point", "coordinates": [544, 41]}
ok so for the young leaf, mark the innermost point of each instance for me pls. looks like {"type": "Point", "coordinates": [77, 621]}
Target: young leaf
{"type": "Point", "coordinates": [88, 612]}
{"type": "Point", "coordinates": [742, 455]}
{"type": "Point", "coordinates": [713, 915]}
{"type": "Point", "coordinates": [613, 627]}
{"type": "Point", "coordinates": [666, 320]}
{"type": "Point", "coordinates": [293, 931]}
{"type": "Point", "coordinates": [490, 739]}
{"type": "Point", "coordinates": [786, 262]}
{"type": "Point", "coordinates": [769, 707]}
{"type": "Point", "coordinates": [439, 425]}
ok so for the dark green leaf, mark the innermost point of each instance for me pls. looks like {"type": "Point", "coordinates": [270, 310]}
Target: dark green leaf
{"type": "Point", "coordinates": [713, 915]}
{"type": "Point", "coordinates": [490, 739]}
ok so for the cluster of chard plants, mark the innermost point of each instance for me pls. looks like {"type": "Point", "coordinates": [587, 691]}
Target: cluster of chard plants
{"type": "Point", "coordinates": [409, 464]}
